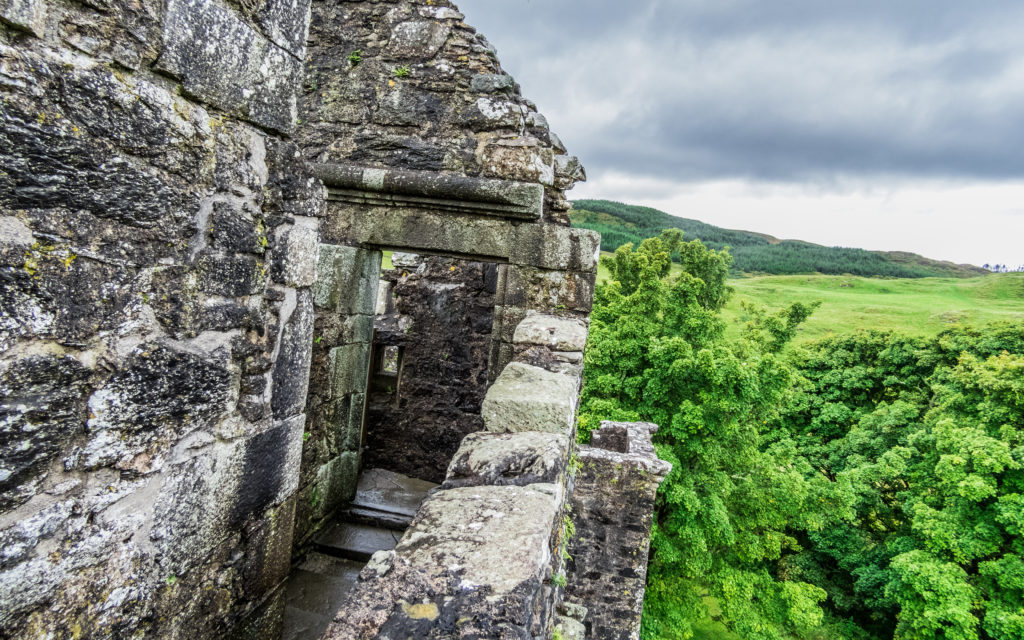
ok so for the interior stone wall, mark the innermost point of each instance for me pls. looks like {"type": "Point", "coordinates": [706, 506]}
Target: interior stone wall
{"type": "Point", "coordinates": [157, 249]}
{"type": "Point", "coordinates": [439, 312]}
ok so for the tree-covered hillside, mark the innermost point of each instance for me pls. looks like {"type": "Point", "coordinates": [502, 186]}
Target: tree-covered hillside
{"type": "Point", "coordinates": [753, 252]}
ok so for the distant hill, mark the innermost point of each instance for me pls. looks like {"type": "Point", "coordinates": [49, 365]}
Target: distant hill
{"type": "Point", "coordinates": [752, 252]}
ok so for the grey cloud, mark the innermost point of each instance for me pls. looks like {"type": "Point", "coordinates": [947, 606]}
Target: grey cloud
{"type": "Point", "coordinates": [793, 90]}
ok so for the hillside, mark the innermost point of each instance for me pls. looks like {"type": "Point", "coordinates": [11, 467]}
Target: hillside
{"type": "Point", "coordinates": [756, 252]}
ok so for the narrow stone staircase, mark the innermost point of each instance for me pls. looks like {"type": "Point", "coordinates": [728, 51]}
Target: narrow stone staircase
{"type": "Point", "coordinates": [385, 504]}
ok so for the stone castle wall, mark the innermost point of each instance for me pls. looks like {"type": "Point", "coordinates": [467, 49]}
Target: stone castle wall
{"type": "Point", "coordinates": [193, 205]}
{"type": "Point", "coordinates": [155, 270]}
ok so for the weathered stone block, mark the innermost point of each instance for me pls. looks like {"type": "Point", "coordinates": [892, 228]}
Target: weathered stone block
{"type": "Point", "coordinates": [347, 415]}
{"type": "Point", "coordinates": [508, 459]}
{"type": "Point", "coordinates": [522, 163]}
{"type": "Point", "coordinates": [418, 39]}
{"type": "Point", "coordinates": [161, 394]}
{"type": "Point", "coordinates": [286, 23]}
{"type": "Point", "coordinates": [406, 106]}
{"type": "Point", "coordinates": [347, 279]}
{"type": "Point", "coordinates": [269, 469]}
{"type": "Point", "coordinates": [42, 408]}
{"type": "Point", "coordinates": [555, 247]}
{"type": "Point", "coordinates": [476, 557]}
{"type": "Point", "coordinates": [491, 82]}
{"type": "Point", "coordinates": [350, 365]}
{"type": "Point", "coordinates": [497, 535]}
{"type": "Point", "coordinates": [232, 276]}
{"type": "Point", "coordinates": [296, 254]}
{"type": "Point", "coordinates": [223, 61]}
{"type": "Point", "coordinates": [29, 15]}
{"type": "Point", "coordinates": [560, 334]}
{"type": "Point", "coordinates": [291, 372]}
{"type": "Point", "coordinates": [534, 288]}
{"type": "Point", "coordinates": [419, 229]}
{"type": "Point", "coordinates": [528, 398]}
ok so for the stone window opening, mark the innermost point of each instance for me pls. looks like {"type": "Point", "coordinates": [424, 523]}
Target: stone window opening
{"type": "Point", "coordinates": [386, 374]}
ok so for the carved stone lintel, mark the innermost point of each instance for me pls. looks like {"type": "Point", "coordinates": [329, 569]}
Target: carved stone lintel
{"type": "Point", "coordinates": [432, 190]}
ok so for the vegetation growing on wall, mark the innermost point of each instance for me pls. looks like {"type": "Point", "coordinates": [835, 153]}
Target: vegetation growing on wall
{"type": "Point", "coordinates": [867, 486]}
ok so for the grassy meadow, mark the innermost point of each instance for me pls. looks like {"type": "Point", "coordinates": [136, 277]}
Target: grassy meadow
{"type": "Point", "coordinates": [910, 305]}
{"type": "Point", "coordinates": [918, 306]}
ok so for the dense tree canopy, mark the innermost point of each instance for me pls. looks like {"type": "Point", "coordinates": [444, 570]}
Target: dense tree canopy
{"type": "Point", "coordinates": [869, 486]}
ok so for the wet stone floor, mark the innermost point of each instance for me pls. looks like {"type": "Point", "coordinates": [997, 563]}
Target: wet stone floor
{"type": "Point", "coordinates": [384, 505]}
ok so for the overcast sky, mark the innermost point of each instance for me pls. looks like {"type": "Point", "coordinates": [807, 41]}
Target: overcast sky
{"type": "Point", "coordinates": [882, 124]}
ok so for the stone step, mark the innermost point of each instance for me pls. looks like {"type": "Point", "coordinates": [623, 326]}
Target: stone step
{"type": "Point", "coordinates": [356, 541]}
{"type": "Point", "coordinates": [392, 492]}
{"type": "Point", "coordinates": [314, 593]}
{"type": "Point", "coordinates": [377, 518]}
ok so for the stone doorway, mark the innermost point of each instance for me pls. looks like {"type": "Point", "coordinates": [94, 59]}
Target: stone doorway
{"type": "Point", "coordinates": [430, 361]}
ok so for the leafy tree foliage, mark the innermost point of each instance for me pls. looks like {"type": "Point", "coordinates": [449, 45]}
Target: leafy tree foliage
{"type": "Point", "coordinates": [868, 487]}
{"type": "Point", "coordinates": [927, 436]}
{"type": "Point", "coordinates": [657, 353]}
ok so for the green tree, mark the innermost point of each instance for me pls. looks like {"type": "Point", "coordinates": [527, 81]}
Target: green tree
{"type": "Point", "coordinates": [657, 353]}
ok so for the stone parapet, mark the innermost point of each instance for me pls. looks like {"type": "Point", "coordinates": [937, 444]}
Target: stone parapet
{"type": "Point", "coordinates": [612, 506]}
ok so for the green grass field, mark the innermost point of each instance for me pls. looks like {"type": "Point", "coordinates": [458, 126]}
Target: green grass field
{"type": "Point", "coordinates": [912, 305]}
{"type": "Point", "coordinates": [918, 306]}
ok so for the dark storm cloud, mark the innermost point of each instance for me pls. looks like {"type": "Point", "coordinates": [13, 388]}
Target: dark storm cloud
{"type": "Point", "coordinates": [785, 90]}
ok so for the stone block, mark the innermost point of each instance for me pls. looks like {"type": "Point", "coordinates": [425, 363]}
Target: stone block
{"type": "Point", "coordinates": [347, 279]}
{"type": "Point", "coordinates": [423, 230]}
{"type": "Point", "coordinates": [295, 351]}
{"type": "Point", "coordinates": [160, 394]}
{"type": "Point", "coordinates": [508, 459]}
{"type": "Point", "coordinates": [547, 290]}
{"type": "Point", "coordinates": [347, 416]}
{"type": "Point", "coordinates": [337, 481]}
{"type": "Point", "coordinates": [350, 366]}
{"type": "Point", "coordinates": [520, 163]}
{"type": "Point", "coordinates": [296, 255]}
{"type": "Point", "coordinates": [476, 555]}
{"type": "Point", "coordinates": [406, 260]}
{"type": "Point", "coordinates": [233, 229]}
{"type": "Point", "coordinates": [491, 83]}
{"type": "Point", "coordinates": [555, 247]}
{"type": "Point", "coordinates": [560, 334]}
{"type": "Point", "coordinates": [269, 469]}
{"type": "Point", "coordinates": [418, 39]}
{"type": "Point", "coordinates": [384, 300]}
{"type": "Point", "coordinates": [224, 62]}
{"type": "Point", "coordinates": [232, 276]}
{"type": "Point", "coordinates": [286, 23]}
{"type": "Point", "coordinates": [15, 240]}
{"type": "Point", "coordinates": [528, 398]}
{"type": "Point", "coordinates": [498, 536]}
{"type": "Point", "coordinates": [41, 410]}
{"type": "Point", "coordinates": [28, 15]}
{"type": "Point", "coordinates": [406, 106]}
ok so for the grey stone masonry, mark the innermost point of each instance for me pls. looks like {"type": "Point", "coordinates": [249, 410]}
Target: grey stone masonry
{"type": "Point", "coordinates": [528, 398]}
{"type": "Point", "coordinates": [156, 315]}
{"type": "Point", "coordinates": [612, 506]}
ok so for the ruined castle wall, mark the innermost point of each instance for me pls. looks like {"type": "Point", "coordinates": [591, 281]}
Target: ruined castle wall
{"type": "Point", "coordinates": [425, 145]}
{"type": "Point", "coordinates": [612, 510]}
{"type": "Point", "coordinates": [157, 250]}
